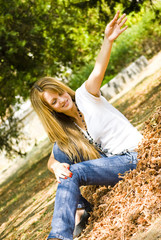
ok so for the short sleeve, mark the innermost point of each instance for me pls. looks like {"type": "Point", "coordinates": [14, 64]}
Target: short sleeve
{"type": "Point", "coordinates": [82, 92]}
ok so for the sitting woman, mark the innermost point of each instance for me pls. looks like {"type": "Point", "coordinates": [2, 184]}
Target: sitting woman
{"type": "Point", "coordinates": [94, 142]}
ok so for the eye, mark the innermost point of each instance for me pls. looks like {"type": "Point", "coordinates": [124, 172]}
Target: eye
{"type": "Point", "coordinates": [54, 102]}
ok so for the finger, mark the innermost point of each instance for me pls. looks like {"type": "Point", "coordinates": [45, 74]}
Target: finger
{"type": "Point", "coordinates": [64, 176]}
{"type": "Point", "coordinates": [123, 29]}
{"type": "Point", "coordinates": [61, 176]}
{"type": "Point", "coordinates": [63, 173]}
{"type": "Point", "coordinates": [63, 167]}
{"type": "Point", "coordinates": [121, 18]}
{"type": "Point", "coordinates": [58, 180]}
{"type": "Point", "coordinates": [66, 169]}
{"type": "Point", "coordinates": [66, 165]}
{"type": "Point", "coordinates": [115, 18]}
{"type": "Point", "coordinates": [123, 22]}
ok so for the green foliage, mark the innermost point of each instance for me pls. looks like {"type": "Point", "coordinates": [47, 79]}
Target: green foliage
{"type": "Point", "coordinates": [141, 38]}
{"type": "Point", "coordinates": [80, 76]}
{"type": "Point", "coordinates": [108, 6]}
{"type": "Point", "coordinates": [10, 135]}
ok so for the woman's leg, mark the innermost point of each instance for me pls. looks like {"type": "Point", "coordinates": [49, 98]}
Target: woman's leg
{"type": "Point", "coordinates": [103, 171]}
{"type": "Point", "coordinates": [63, 158]}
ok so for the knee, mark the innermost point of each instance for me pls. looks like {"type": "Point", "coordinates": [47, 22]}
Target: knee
{"type": "Point", "coordinates": [78, 177]}
{"type": "Point", "coordinates": [73, 182]}
{"type": "Point", "coordinates": [79, 173]}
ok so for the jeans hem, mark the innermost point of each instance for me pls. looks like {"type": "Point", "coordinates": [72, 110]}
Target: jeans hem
{"type": "Point", "coordinates": [57, 235]}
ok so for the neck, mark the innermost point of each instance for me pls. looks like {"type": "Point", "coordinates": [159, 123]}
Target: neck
{"type": "Point", "coordinates": [73, 112]}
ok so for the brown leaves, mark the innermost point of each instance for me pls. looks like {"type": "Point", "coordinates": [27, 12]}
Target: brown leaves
{"type": "Point", "coordinates": [135, 202]}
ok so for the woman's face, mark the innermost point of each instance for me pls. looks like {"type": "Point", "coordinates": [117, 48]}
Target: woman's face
{"type": "Point", "coordinates": [59, 102]}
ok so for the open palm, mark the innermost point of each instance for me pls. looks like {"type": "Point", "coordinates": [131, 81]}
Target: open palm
{"type": "Point", "coordinates": [113, 29]}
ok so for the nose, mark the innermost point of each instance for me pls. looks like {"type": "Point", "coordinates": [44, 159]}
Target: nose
{"type": "Point", "coordinates": [61, 100]}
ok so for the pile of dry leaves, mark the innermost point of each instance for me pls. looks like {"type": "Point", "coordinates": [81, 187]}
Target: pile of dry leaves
{"type": "Point", "coordinates": [135, 202]}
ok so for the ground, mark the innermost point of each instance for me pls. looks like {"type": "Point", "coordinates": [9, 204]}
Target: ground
{"type": "Point", "coordinates": [27, 202]}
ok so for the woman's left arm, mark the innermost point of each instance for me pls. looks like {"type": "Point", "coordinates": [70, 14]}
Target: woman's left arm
{"type": "Point", "coordinates": [112, 31]}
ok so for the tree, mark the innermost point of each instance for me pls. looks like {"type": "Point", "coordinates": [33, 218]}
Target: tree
{"type": "Point", "coordinates": [37, 38]}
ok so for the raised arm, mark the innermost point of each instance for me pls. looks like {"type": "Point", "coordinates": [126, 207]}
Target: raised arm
{"type": "Point", "coordinates": [61, 170]}
{"type": "Point", "coordinates": [112, 31]}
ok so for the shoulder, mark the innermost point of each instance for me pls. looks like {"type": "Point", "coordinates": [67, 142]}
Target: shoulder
{"type": "Point", "coordinates": [82, 92]}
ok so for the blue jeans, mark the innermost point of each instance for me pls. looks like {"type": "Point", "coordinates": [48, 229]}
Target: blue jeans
{"type": "Point", "coordinates": [102, 171]}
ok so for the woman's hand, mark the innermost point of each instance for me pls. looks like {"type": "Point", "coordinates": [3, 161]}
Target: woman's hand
{"type": "Point", "coordinates": [61, 170]}
{"type": "Point", "coordinates": [113, 29]}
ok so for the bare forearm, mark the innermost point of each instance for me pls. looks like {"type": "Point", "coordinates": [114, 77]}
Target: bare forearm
{"type": "Point", "coordinates": [94, 81]}
{"type": "Point", "coordinates": [112, 31]}
{"type": "Point", "coordinates": [103, 58]}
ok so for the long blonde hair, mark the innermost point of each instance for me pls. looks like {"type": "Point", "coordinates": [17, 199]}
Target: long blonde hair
{"type": "Point", "coordinates": [60, 127]}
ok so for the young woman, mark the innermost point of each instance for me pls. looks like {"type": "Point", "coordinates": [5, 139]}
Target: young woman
{"type": "Point", "coordinates": [93, 141]}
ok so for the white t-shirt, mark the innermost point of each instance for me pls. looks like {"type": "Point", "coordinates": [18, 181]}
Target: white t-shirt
{"type": "Point", "coordinates": [106, 125]}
